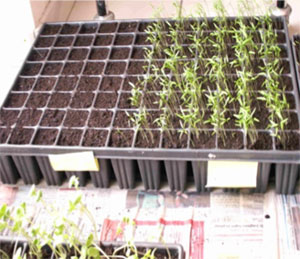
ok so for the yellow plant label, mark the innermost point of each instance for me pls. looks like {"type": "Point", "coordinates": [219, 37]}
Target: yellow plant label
{"type": "Point", "coordinates": [231, 174]}
{"type": "Point", "coordinates": [229, 256]}
{"type": "Point", "coordinates": [80, 161]}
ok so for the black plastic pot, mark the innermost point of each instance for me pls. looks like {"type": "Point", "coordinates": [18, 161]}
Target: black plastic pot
{"type": "Point", "coordinates": [84, 51]}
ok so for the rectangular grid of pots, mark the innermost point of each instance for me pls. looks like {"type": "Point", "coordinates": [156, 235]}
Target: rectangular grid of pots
{"type": "Point", "coordinates": [72, 95]}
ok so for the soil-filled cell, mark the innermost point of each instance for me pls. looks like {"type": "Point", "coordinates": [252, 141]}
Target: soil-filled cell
{"type": "Point", "coordinates": [29, 117]}
{"type": "Point", "coordinates": [103, 40]}
{"type": "Point", "coordinates": [203, 140]}
{"type": "Point", "coordinates": [88, 83]}
{"type": "Point", "coordinates": [115, 68]}
{"type": "Point", "coordinates": [59, 100]}
{"type": "Point", "coordinates": [172, 139]}
{"type": "Point", "coordinates": [121, 138]}
{"type": "Point", "coordinates": [123, 39]}
{"type": "Point", "coordinates": [230, 140]}
{"type": "Point", "coordinates": [119, 53]}
{"type": "Point", "coordinates": [64, 41]}
{"type": "Point", "coordinates": [148, 139]}
{"type": "Point", "coordinates": [4, 133]}
{"type": "Point", "coordinates": [83, 41]}
{"type": "Point", "coordinates": [23, 84]}
{"type": "Point", "coordinates": [8, 117]}
{"type": "Point", "coordinates": [106, 100]}
{"type": "Point", "coordinates": [288, 141]}
{"type": "Point", "coordinates": [108, 27]}
{"type": "Point", "coordinates": [95, 138]}
{"type": "Point", "coordinates": [66, 83]}
{"type": "Point", "coordinates": [263, 142]}
{"type": "Point", "coordinates": [31, 69]}
{"type": "Point", "coordinates": [82, 100]}
{"type": "Point", "coordinates": [137, 68]}
{"type": "Point", "coordinates": [126, 102]}
{"type": "Point", "coordinates": [58, 54]}
{"type": "Point", "coordinates": [69, 137]}
{"type": "Point", "coordinates": [100, 119]}
{"type": "Point", "coordinates": [69, 29]}
{"type": "Point", "coordinates": [21, 136]}
{"type": "Point", "coordinates": [127, 27]}
{"type": "Point", "coordinates": [37, 100]}
{"type": "Point", "coordinates": [15, 100]}
{"type": "Point", "coordinates": [109, 83]}
{"type": "Point", "coordinates": [52, 69]}
{"type": "Point", "coordinates": [122, 119]}
{"type": "Point", "coordinates": [52, 118]}
{"type": "Point", "coordinates": [78, 54]}
{"type": "Point", "coordinates": [72, 68]}
{"type": "Point", "coordinates": [88, 28]}
{"type": "Point", "coordinates": [44, 84]}
{"type": "Point", "coordinates": [37, 55]}
{"type": "Point", "coordinates": [93, 68]}
{"type": "Point", "coordinates": [141, 39]}
{"type": "Point", "coordinates": [75, 118]}
{"type": "Point", "coordinates": [44, 42]}
{"type": "Point", "coordinates": [50, 29]}
{"type": "Point", "coordinates": [45, 137]}
{"type": "Point", "coordinates": [99, 53]}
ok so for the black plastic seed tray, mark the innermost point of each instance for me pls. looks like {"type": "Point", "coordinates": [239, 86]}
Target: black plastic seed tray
{"type": "Point", "coordinates": [72, 95]}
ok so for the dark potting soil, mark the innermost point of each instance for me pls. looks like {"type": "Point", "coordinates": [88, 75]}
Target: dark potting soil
{"type": "Point", "coordinates": [123, 39]}
{"type": "Point", "coordinates": [69, 137]}
{"type": "Point", "coordinates": [82, 100]}
{"type": "Point", "coordinates": [31, 69]}
{"type": "Point", "coordinates": [66, 83]}
{"type": "Point", "coordinates": [290, 141]}
{"type": "Point", "coordinates": [141, 39]}
{"type": "Point", "coordinates": [127, 27]}
{"type": "Point", "coordinates": [231, 140]}
{"type": "Point", "coordinates": [37, 100]}
{"type": "Point", "coordinates": [103, 40]}
{"type": "Point", "coordinates": [4, 133]}
{"type": "Point", "coordinates": [23, 84]}
{"type": "Point", "coordinates": [293, 123]}
{"type": "Point", "coordinates": [83, 41]}
{"type": "Point", "coordinates": [44, 42]}
{"type": "Point", "coordinates": [50, 29]}
{"type": "Point", "coordinates": [8, 117]}
{"type": "Point", "coordinates": [52, 118]}
{"type": "Point", "coordinates": [58, 54]}
{"type": "Point", "coordinates": [125, 102]}
{"type": "Point", "coordinates": [286, 83]}
{"type": "Point", "coordinates": [151, 100]}
{"type": "Point", "coordinates": [59, 100]}
{"type": "Point", "coordinates": [108, 27]}
{"type": "Point", "coordinates": [21, 136]}
{"type": "Point", "coordinates": [69, 29]}
{"type": "Point", "coordinates": [119, 53]}
{"type": "Point", "coordinates": [78, 54]}
{"type": "Point", "coordinates": [152, 116]}
{"type": "Point", "coordinates": [106, 100]}
{"type": "Point", "coordinates": [15, 100]}
{"type": "Point", "coordinates": [154, 86]}
{"type": "Point", "coordinates": [72, 68]}
{"type": "Point", "coordinates": [204, 140]}
{"type": "Point", "coordinates": [99, 53]}
{"type": "Point", "coordinates": [29, 117]}
{"type": "Point", "coordinates": [115, 68]}
{"type": "Point", "coordinates": [173, 139]}
{"type": "Point", "coordinates": [144, 25]}
{"type": "Point", "coordinates": [52, 68]}
{"type": "Point", "coordinates": [148, 139]}
{"type": "Point", "coordinates": [38, 55]}
{"type": "Point", "coordinates": [100, 119]}
{"type": "Point", "coordinates": [263, 142]}
{"type": "Point", "coordinates": [230, 124]}
{"type": "Point", "coordinates": [122, 119]}
{"type": "Point", "coordinates": [64, 41]}
{"type": "Point", "coordinates": [110, 83]}
{"type": "Point", "coordinates": [88, 83]}
{"type": "Point", "coordinates": [75, 118]}
{"type": "Point", "coordinates": [262, 117]}
{"type": "Point", "coordinates": [45, 137]}
{"type": "Point", "coordinates": [93, 68]}
{"type": "Point", "coordinates": [291, 101]}
{"type": "Point", "coordinates": [95, 138]}
{"type": "Point", "coordinates": [138, 53]}
{"type": "Point", "coordinates": [44, 84]}
{"type": "Point", "coordinates": [128, 81]}
{"type": "Point", "coordinates": [121, 138]}
{"type": "Point", "coordinates": [88, 28]}
{"type": "Point", "coordinates": [137, 67]}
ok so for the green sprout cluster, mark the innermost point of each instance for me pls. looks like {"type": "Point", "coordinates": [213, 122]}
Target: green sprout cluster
{"type": "Point", "coordinates": [203, 64]}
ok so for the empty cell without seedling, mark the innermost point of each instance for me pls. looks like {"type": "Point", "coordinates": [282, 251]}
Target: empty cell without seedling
{"type": "Point", "coordinates": [52, 118]}
{"type": "Point", "coordinates": [115, 68]}
{"type": "Point", "coordinates": [8, 117]}
{"type": "Point", "coordinates": [4, 133]}
{"type": "Point", "coordinates": [127, 27]}
{"type": "Point", "coordinates": [66, 83]}
{"type": "Point", "coordinates": [99, 53]}
{"type": "Point", "coordinates": [69, 137]}
{"type": "Point", "coordinates": [95, 138]}
{"type": "Point", "coordinates": [23, 84]}
{"type": "Point", "coordinates": [44, 84]}
{"type": "Point", "coordinates": [108, 27]}
{"type": "Point", "coordinates": [29, 117]}
{"type": "Point", "coordinates": [21, 136]}
{"type": "Point", "coordinates": [88, 28]}
{"type": "Point", "coordinates": [137, 68]}
{"type": "Point", "coordinates": [100, 119]}
{"type": "Point", "coordinates": [72, 68]}
{"type": "Point", "coordinates": [87, 83]}
{"type": "Point", "coordinates": [59, 100]}
{"type": "Point", "coordinates": [45, 137]}
{"type": "Point", "coordinates": [52, 69]}
{"type": "Point", "coordinates": [37, 55]}
{"type": "Point", "coordinates": [122, 119]}
{"type": "Point", "coordinates": [106, 100]}
{"type": "Point", "coordinates": [50, 29]}
{"type": "Point", "coordinates": [110, 83]}
{"type": "Point", "coordinates": [83, 41]}
{"type": "Point", "coordinates": [119, 53]}
{"type": "Point", "coordinates": [15, 100]}
{"type": "Point", "coordinates": [69, 28]}
{"type": "Point", "coordinates": [64, 41]}
{"type": "Point", "coordinates": [58, 54]}
{"type": "Point", "coordinates": [31, 69]}
{"type": "Point", "coordinates": [142, 39]}
{"type": "Point", "coordinates": [76, 118]}
{"type": "Point", "coordinates": [44, 42]}
{"type": "Point", "coordinates": [103, 40]}
{"type": "Point", "coordinates": [122, 39]}
{"type": "Point", "coordinates": [37, 100]}
{"type": "Point", "coordinates": [82, 100]}
{"type": "Point", "coordinates": [93, 68]}
{"type": "Point", "coordinates": [78, 54]}
{"type": "Point", "coordinates": [121, 138]}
